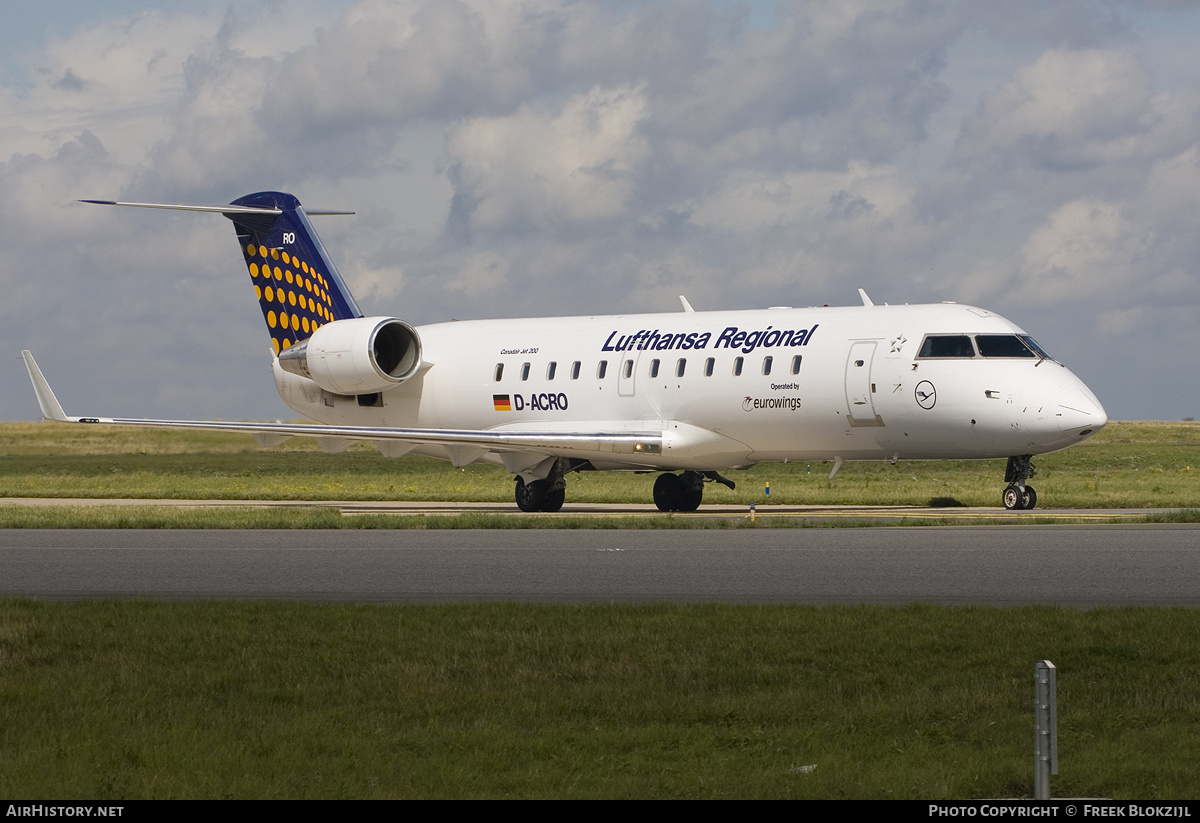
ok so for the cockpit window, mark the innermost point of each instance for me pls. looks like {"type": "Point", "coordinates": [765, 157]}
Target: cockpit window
{"type": "Point", "coordinates": [1031, 343]}
{"type": "Point", "coordinates": [1002, 345]}
{"type": "Point", "coordinates": [960, 346]}
{"type": "Point", "coordinates": [947, 345]}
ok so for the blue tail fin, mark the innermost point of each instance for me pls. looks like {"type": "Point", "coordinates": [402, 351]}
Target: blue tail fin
{"type": "Point", "coordinates": [297, 285]}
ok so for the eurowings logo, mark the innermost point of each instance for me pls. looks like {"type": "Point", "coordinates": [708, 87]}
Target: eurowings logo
{"type": "Point", "coordinates": [788, 403]}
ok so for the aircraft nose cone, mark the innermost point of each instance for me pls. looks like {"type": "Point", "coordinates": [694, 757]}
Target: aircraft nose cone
{"type": "Point", "coordinates": [1080, 414]}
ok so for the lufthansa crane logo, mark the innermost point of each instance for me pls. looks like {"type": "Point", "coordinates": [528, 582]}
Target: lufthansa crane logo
{"type": "Point", "coordinates": [926, 394]}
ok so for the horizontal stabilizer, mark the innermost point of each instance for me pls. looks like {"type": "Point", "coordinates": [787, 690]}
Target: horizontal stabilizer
{"type": "Point", "coordinates": [228, 210]}
{"type": "Point", "coordinates": [187, 207]}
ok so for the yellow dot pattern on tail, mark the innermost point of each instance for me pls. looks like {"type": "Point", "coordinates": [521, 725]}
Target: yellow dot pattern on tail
{"type": "Point", "coordinates": [296, 284]}
{"type": "Point", "coordinates": [294, 295]}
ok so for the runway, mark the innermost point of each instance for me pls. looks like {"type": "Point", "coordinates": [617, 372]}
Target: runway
{"type": "Point", "coordinates": [1083, 566]}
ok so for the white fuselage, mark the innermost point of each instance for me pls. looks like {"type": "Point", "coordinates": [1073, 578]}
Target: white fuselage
{"type": "Point", "coordinates": [843, 382]}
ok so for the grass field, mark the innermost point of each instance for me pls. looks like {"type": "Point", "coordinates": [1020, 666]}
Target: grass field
{"type": "Point", "coordinates": [136, 699]}
{"type": "Point", "coordinates": [1127, 465]}
{"type": "Point", "coordinates": [116, 700]}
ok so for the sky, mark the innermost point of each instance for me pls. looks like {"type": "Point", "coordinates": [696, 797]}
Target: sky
{"type": "Point", "coordinates": [1041, 160]}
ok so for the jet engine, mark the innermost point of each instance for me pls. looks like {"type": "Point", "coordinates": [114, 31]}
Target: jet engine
{"type": "Point", "coordinates": [359, 356]}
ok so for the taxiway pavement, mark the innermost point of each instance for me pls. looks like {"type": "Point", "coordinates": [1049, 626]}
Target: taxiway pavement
{"type": "Point", "coordinates": [994, 565]}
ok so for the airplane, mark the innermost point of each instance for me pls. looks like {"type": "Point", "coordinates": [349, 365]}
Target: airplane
{"type": "Point", "coordinates": [687, 394]}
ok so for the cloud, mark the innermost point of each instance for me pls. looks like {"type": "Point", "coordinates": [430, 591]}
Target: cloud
{"type": "Point", "coordinates": [1085, 249]}
{"type": "Point", "coordinates": [118, 79]}
{"type": "Point", "coordinates": [551, 157]}
{"type": "Point", "coordinates": [1067, 110]}
{"type": "Point", "coordinates": [537, 170]}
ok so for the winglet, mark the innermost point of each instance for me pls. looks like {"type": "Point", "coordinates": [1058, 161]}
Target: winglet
{"type": "Point", "coordinates": [687, 307]}
{"type": "Point", "coordinates": [866, 300]}
{"type": "Point", "coordinates": [51, 410]}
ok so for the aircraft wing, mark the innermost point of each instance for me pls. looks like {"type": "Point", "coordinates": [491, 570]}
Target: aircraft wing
{"type": "Point", "coordinates": [464, 445]}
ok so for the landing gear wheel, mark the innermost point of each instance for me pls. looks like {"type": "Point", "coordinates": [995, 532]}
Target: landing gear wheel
{"type": "Point", "coordinates": [1015, 499]}
{"type": "Point", "coordinates": [668, 493]}
{"type": "Point", "coordinates": [1018, 495]}
{"type": "Point", "coordinates": [693, 491]}
{"type": "Point", "coordinates": [531, 497]}
{"type": "Point", "coordinates": [679, 492]}
{"type": "Point", "coordinates": [539, 496]}
{"type": "Point", "coordinates": [554, 499]}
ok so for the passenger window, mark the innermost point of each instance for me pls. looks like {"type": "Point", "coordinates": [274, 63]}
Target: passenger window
{"type": "Point", "coordinates": [654, 368]}
{"type": "Point", "coordinates": [680, 367]}
{"type": "Point", "coordinates": [628, 369]}
{"type": "Point", "coordinates": [524, 371]}
{"type": "Point", "coordinates": [601, 369]}
{"type": "Point", "coordinates": [947, 345]}
{"type": "Point", "coordinates": [550, 369]}
{"type": "Point", "coordinates": [575, 370]}
{"type": "Point", "coordinates": [708, 366]}
{"type": "Point", "coordinates": [1002, 345]}
{"type": "Point", "coordinates": [767, 364]}
{"type": "Point", "coordinates": [796, 364]}
{"type": "Point", "coordinates": [737, 366]}
{"type": "Point", "coordinates": [499, 371]}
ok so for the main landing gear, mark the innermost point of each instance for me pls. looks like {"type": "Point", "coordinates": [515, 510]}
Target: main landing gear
{"type": "Point", "coordinates": [683, 492]}
{"type": "Point", "coordinates": [545, 495]}
{"type": "Point", "coordinates": [540, 496]}
{"type": "Point", "coordinates": [1017, 495]}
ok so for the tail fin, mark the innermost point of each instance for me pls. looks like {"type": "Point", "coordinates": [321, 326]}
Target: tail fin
{"type": "Point", "coordinates": [297, 285]}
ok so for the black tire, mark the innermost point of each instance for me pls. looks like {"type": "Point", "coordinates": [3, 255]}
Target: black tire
{"type": "Point", "coordinates": [668, 493]}
{"type": "Point", "coordinates": [1013, 499]}
{"type": "Point", "coordinates": [554, 500]}
{"type": "Point", "coordinates": [1030, 499]}
{"type": "Point", "coordinates": [692, 491]}
{"type": "Point", "coordinates": [531, 497]}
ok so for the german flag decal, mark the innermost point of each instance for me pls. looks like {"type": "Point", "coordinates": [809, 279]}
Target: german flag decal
{"type": "Point", "coordinates": [502, 402]}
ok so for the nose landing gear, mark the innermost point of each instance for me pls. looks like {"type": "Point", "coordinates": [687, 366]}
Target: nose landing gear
{"type": "Point", "coordinates": [1017, 495]}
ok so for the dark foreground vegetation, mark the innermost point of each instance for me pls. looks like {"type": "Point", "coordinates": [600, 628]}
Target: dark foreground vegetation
{"type": "Point", "coordinates": [139, 699]}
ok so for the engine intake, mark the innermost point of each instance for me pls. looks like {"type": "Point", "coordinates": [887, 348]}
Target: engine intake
{"type": "Point", "coordinates": [360, 356]}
